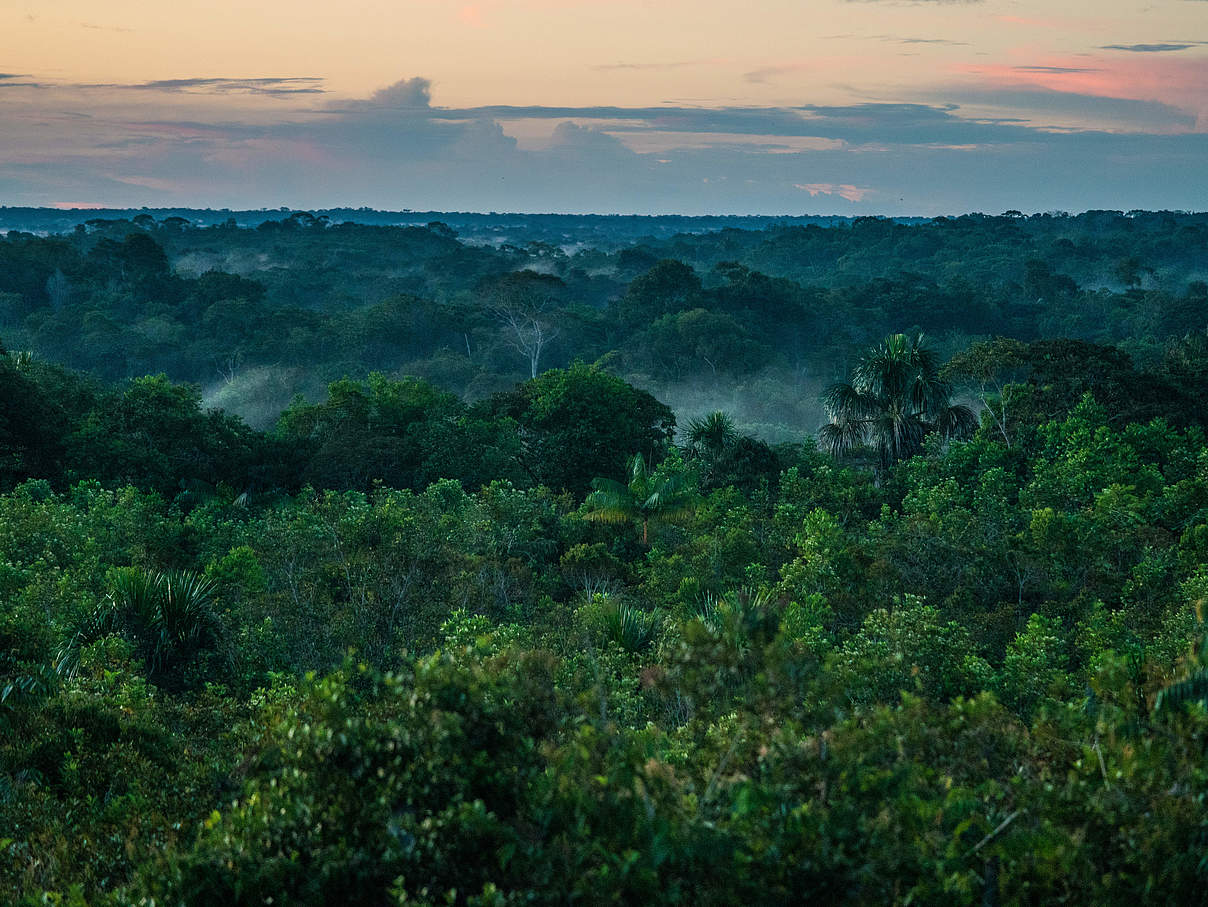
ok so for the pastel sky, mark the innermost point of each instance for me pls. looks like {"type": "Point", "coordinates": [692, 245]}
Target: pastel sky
{"type": "Point", "coordinates": [646, 106]}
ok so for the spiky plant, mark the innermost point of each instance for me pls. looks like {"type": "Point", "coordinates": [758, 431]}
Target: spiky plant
{"type": "Point", "coordinates": [168, 616]}
{"type": "Point", "coordinates": [629, 627]}
{"type": "Point", "coordinates": [1193, 687]}
{"type": "Point", "coordinates": [735, 614]}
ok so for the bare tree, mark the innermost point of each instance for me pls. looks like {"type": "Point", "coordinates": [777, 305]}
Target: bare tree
{"type": "Point", "coordinates": [525, 304]}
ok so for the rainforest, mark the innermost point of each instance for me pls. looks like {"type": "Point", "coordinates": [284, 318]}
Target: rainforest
{"type": "Point", "coordinates": [367, 558]}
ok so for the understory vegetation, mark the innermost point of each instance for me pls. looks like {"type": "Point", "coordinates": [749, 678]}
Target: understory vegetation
{"type": "Point", "coordinates": [545, 643]}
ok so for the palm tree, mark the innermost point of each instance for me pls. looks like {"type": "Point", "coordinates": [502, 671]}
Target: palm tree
{"type": "Point", "coordinates": [895, 398]}
{"type": "Point", "coordinates": [169, 617]}
{"type": "Point", "coordinates": [707, 439]}
{"type": "Point", "coordinates": [647, 497]}
{"type": "Point", "coordinates": [710, 435]}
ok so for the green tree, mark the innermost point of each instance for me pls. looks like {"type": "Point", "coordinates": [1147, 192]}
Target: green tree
{"type": "Point", "coordinates": [580, 422]}
{"type": "Point", "coordinates": [710, 435]}
{"type": "Point", "coordinates": [648, 496]}
{"type": "Point", "coordinates": [895, 397]}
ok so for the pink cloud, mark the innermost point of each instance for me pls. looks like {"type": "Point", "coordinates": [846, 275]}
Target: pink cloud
{"type": "Point", "coordinates": [843, 190]}
{"type": "Point", "coordinates": [1178, 82]}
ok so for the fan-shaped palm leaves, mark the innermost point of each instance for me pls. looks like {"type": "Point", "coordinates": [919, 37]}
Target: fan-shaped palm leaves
{"type": "Point", "coordinates": [895, 397]}
{"type": "Point", "coordinates": [710, 435]}
{"type": "Point", "coordinates": [168, 616]}
{"type": "Point", "coordinates": [734, 613]}
{"type": "Point", "coordinates": [647, 497]}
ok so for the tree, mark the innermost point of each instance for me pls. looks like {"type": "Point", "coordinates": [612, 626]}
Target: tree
{"type": "Point", "coordinates": [669, 287]}
{"type": "Point", "coordinates": [648, 496]}
{"type": "Point", "coordinates": [687, 342]}
{"type": "Point", "coordinates": [724, 457]}
{"type": "Point", "coordinates": [32, 426]}
{"type": "Point", "coordinates": [579, 423]}
{"type": "Point", "coordinates": [994, 367]}
{"type": "Point", "coordinates": [895, 397]}
{"type": "Point", "coordinates": [524, 305]}
{"type": "Point", "coordinates": [710, 435]}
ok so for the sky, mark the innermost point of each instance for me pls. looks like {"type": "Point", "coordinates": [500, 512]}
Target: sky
{"type": "Point", "coordinates": [853, 107]}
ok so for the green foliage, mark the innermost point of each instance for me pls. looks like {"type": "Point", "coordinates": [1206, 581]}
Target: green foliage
{"type": "Point", "coordinates": [650, 496]}
{"type": "Point", "coordinates": [906, 649]}
{"type": "Point", "coordinates": [896, 396]}
{"type": "Point", "coordinates": [1033, 670]}
{"type": "Point", "coordinates": [575, 422]}
{"type": "Point", "coordinates": [614, 621]}
{"type": "Point", "coordinates": [405, 434]}
{"type": "Point", "coordinates": [169, 617]}
{"type": "Point", "coordinates": [449, 672]}
{"type": "Point", "coordinates": [406, 784]}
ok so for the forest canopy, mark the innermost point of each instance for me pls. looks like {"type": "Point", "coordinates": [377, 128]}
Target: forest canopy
{"type": "Point", "coordinates": [408, 623]}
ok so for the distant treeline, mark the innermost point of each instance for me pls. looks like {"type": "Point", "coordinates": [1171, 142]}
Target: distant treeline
{"type": "Point", "coordinates": [606, 229]}
{"type": "Point", "coordinates": [756, 321]}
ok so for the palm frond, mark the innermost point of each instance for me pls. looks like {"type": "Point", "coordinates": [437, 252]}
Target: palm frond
{"type": "Point", "coordinates": [708, 611]}
{"type": "Point", "coordinates": [597, 511]}
{"type": "Point", "coordinates": [895, 397]}
{"type": "Point", "coordinates": [712, 433]}
{"type": "Point", "coordinates": [638, 468]}
{"type": "Point", "coordinates": [1193, 688]}
{"type": "Point", "coordinates": [630, 628]}
{"type": "Point", "coordinates": [841, 438]}
{"type": "Point", "coordinates": [184, 619]}
{"type": "Point", "coordinates": [845, 401]}
{"type": "Point", "coordinates": [611, 502]}
{"type": "Point", "coordinates": [97, 624]}
{"type": "Point", "coordinates": [956, 422]}
{"type": "Point", "coordinates": [168, 616]}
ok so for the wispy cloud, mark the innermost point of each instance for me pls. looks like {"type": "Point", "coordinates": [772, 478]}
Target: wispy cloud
{"type": "Point", "coordinates": [1054, 69]}
{"type": "Point", "coordinates": [897, 39]}
{"type": "Point", "coordinates": [1049, 109]}
{"type": "Point", "coordinates": [944, 42]}
{"type": "Point", "coordinates": [655, 67]}
{"type": "Point", "coordinates": [1174, 87]}
{"type": "Point", "coordinates": [217, 85]}
{"type": "Point", "coordinates": [768, 73]}
{"type": "Point", "coordinates": [1153, 48]}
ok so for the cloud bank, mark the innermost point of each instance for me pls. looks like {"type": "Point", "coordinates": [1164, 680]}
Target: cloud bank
{"type": "Point", "coordinates": [264, 142]}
